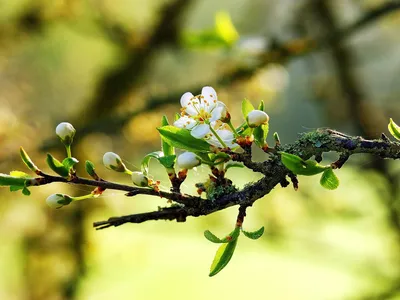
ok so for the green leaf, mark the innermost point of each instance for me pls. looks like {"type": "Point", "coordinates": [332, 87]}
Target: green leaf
{"type": "Point", "coordinates": [25, 191]}
{"type": "Point", "coordinates": [394, 129]}
{"type": "Point", "coordinates": [246, 108]}
{"type": "Point", "coordinates": [8, 180]}
{"type": "Point", "coordinates": [260, 134]}
{"type": "Point", "coordinates": [220, 157]}
{"type": "Point", "coordinates": [301, 167]}
{"type": "Point", "coordinates": [212, 237]}
{"type": "Point", "coordinates": [261, 105]}
{"type": "Point", "coordinates": [27, 160]}
{"type": "Point", "coordinates": [233, 165]}
{"type": "Point", "coordinates": [69, 162]}
{"type": "Point", "coordinates": [206, 158]}
{"type": "Point", "coordinates": [168, 161]}
{"type": "Point", "coordinates": [254, 235]}
{"type": "Point", "coordinates": [222, 257]}
{"type": "Point", "coordinates": [19, 174]}
{"type": "Point", "coordinates": [166, 148]}
{"type": "Point", "coordinates": [225, 28]}
{"type": "Point", "coordinates": [90, 169]}
{"type": "Point", "coordinates": [229, 238]}
{"type": "Point", "coordinates": [329, 180]}
{"type": "Point", "coordinates": [57, 166]}
{"type": "Point", "coordinates": [181, 138]}
{"type": "Point", "coordinates": [146, 160]}
{"type": "Point", "coordinates": [14, 188]}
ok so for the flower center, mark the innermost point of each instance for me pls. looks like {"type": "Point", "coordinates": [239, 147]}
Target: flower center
{"type": "Point", "coordinates": [202, 116]}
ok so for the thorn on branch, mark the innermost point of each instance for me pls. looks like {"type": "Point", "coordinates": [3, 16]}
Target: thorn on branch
{"type": "Point", "coordinates": [341, 161]}
{"type": "Point", "coordinates": [294, 180]}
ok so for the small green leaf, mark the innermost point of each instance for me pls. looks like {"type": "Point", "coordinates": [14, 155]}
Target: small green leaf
{"type": "Point", "coordinates": [233, 165]}
{"type": "Point", "coordinates": [166, 148]}
{"type": "Point", "coordinates": [222, 257]}
{"type": "Point", "coordinates": [181, 138]}
{"type": "Point", "coordinates": [246, 107]}
{"type": "Point", "coordinates": [27, 160]}
{"type": "Point", "coordinates": [229, 238]}
{"type": "Point", "coordinates": [168, 161]}
{"type": "Point", "coordinates": [260, 134]}
{"type": "Point", "coordinates": [220, 157]}
{"type": "Point", "coordinates": [329, 180]}
{"type": "Point", "coordinates": [299, 166]}
{"type": "Point", "coordinates": [212, 237]}
{"type": "Point", "coordinates": [69, 162]}
{"type": "Point", "coordinates": [19, 174]}
{"type": "Point", "coordinates": [225, 28]}
{"type": "Point", "coordinates": [57, 166]}
{"type": "Point", "coordinates": [90, 169]}
{"type": "Point", "coordinates": [146, 160]}
{"type": "Point", "coordinates": [206, 158]}
{"type": "Point", "coordinates": [254, 235]}
{"type": "Point", "coordinates": [25, 191]}
{"type": "Point", "coordinates": [14, 188]}
{"type": "Point", "coordinates": [8, 180]}
{"type": "Point", "coordinates": [394, 129]}
{"type": "Point", "coordinates": [276, 138]}
{"type": "Point", "coordinates": [261, 105]}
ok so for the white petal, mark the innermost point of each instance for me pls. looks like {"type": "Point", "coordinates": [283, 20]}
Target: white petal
{"type": "Point", "coordinates": [185, 122]}
{"type": "Point", "coordinates": [216, 113]}
{"type": "Point", "coordinates": [200, 131]}
{"type": "Point", "coordinates": [227, 137]}
{"type": "Point", "coordinates": [209, 97]}
{"type": "Point", "coordinates": [213, 141]}
{"type": "Point", "coordinates": [186, 98]}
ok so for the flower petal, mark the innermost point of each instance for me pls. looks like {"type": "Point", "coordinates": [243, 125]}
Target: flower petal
{"type": "Point", "coordinates": [187, 100]}
{"type": "Point", "coordinates": [226, 136]}
{"type": "Point", "coordinates": [200, 131]}
{"type": "Point", "coordinates": [185, 122]}
{"type": "Point", "coordinates": [216, 113]}
{"type": "Point", "coordinates": [209, 97]}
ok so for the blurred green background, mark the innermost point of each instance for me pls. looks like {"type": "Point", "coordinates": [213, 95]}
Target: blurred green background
{"type": "Point", "coordinates": [113, 68]}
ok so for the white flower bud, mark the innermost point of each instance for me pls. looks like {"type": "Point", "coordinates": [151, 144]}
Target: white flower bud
{"type": "Point", "coordinates": [256, 118]}
{"type": "Point", "coordinates": [65, 132]}
{"type": "Point", "coordinates": [58, 200]}
{"type": "Point", "coordinates": [113, 162]}
{"type": "Point", "coordinates": [188, 160]}
{"type": "Point", "coordinates": [139, 179]}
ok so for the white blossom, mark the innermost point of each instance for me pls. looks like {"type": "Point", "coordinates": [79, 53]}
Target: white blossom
{"type": "Point", "coordinates": [58, 200]}
{"type": "Point", "coordinates": [65, 132]}
{"type": "Point", "coordinates": [199, 111]}
{"type": "Point", "coordinates": [188, 160]}
{"type": "Point", "coordinates": [139, 179]}
{"type": "Point", "coordinates": [256, 118]}
{"type": "Point", "coordinates": [114, 162]}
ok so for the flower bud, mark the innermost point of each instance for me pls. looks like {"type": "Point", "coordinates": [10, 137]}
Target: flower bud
{"type": "Point", "coordinates": [225, 115]}
{"type": "Point", "coordinates": [188, 160]}
{"type": "Point", "coordinates": [139, 179]}
{"type": "Point", "coordinates": [113, 162]}
{"type": "Point", "coordinates": [256, 118]}
{"type": "Point", "coordinates": [58, 200]}
{"type": "Point", "coordinates": [65, 132]}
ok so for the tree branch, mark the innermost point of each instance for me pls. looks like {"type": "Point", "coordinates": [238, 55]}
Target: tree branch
{"type": "Point", "coordinates": [309, 144]}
